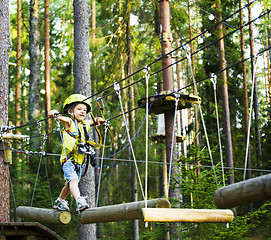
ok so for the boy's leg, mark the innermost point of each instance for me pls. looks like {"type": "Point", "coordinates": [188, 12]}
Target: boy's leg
{"type": "Point", "coordinates": [61, 204]}
{"type": "Point", "coordinates": [74, 189]}
{"type": "Point", "coordinates": [65, 191]}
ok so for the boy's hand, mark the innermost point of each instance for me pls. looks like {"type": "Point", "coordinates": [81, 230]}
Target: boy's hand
{"type": "Point", "coordinates": [53, 113]}
{"type": "Point", "coordinates": [99, 121]}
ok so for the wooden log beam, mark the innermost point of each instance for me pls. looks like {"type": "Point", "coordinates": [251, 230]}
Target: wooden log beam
{"type": "Point", "coordinates": [120, 212]}
{"type": "Point", "coordinates": [245, 192]}
{"type": "Point", "coordinates": [10, 136]}
{"type": "Point", "coordinates": [187, 215]}
{"type": "Point", "coordinates": [44, 215]}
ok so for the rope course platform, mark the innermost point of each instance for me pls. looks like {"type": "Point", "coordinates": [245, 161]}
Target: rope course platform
{"type": "Point", "coordinates": [44, 215]}
{"type": "Point", "coordinates": [11, 136]}
{"type": "Point", "coordinates": [159, 138]}
{"type": "Point", "coordinates": [165, 101]}
{"type": "Point", "coordinates": [245, 192]}
{"type": "Point", "coordinates": [27, 230]}
{"type": "Point", "coordinates": [187, 215]}
{"type": "Point", "coordinates": [120, 212]}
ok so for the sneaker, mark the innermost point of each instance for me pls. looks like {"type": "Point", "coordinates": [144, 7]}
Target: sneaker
{"type": "Point", "coordinates": [81, 204]}
{"type": "Point", "coordinates": [61, 205]}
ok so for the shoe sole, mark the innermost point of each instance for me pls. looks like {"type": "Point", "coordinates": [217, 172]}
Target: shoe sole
{"type": "Point", "coordinates": [81, 209]}
{"type": "Point", "coordinates": [61, 210]}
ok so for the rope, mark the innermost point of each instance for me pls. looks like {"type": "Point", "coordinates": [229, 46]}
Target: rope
{"type": "Point", "coordinates": [250, 116]}
{"type": "Point", "coordinates": [117, 89]}
{"type": "Point", "coordinates": [172, 141]}
{"type": "Point", "coordinates": [11, 185]}
{"type": "Point", "coordinates": [188, 55]}
{"type": "Point", "coordinates": [42, 148]}
{"type": "Point", "coordinates": [101, 169]}
{"type": "Point", "coordinates": [213, 80]}
{"type": "Point", "coordinates": [147, 132]}
{"type": "Point", "coordinates": [47, 176]}
{"type": "Point", "coordinates": [182, 46]}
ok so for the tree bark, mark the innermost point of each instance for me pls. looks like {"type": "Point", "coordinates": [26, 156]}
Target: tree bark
{"type": "Point", "coordinates": [18, 56]}
{"type": "Point", "coordinates": [35, 60]}
{"type": "Point", "coordinates": [255, 98]}
{"type": "Point", "coordinates": [246, 114]}
{"type": "Point", "coordinates": [4, 45]}
{"type": "Point", "coordinates": [44, 215]}
{"type": "Point", "coordinates": [47, 60]}
{"type": "Point", "coordinates": [131, 114]}
{"type": "Point", "coordinates": [82, 84]}
{"type": "Point", "coordinates": [225, 97]}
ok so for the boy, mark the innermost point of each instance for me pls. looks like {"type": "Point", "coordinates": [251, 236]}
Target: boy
{"type": "Point", "coordinates": [74, 136]}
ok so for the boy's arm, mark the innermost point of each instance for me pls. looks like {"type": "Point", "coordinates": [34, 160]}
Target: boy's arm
{"type": "Point", "coordinates": [64, 120]}
{"type": "Point", "coordinates": [98, 121]}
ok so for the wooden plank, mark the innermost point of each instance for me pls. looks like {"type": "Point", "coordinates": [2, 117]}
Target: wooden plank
{"type": "Point", "coordinates": [44, 215]}
{"type": "Point", "coordinates": [120, 212]}
{"type": "Point", "coordinates": [166, 102]}
{"type": "Point", "coordinates": [245, 192]}
{"type": "Point", "coordinates": [16, 230]}
{"type": "Point", "coordinates": [187, 215]}
{"type": "Point", "coordinates": [10, 136]}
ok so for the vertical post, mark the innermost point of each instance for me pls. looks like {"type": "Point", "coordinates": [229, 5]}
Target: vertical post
{"type": "Point", "coordinates": [4, 45]}
{"type": "Point", "coordinates": [47, 58]}
{"type": "Point", "coordinates": [166, 40]}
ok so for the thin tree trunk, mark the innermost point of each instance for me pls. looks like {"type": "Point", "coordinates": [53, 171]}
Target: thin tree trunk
{"type": "Point", "coordinates": [255, 98]}
{"type": "Point", "coordinates": [18, 57]}
{"type": "Point", "coordinates": [35, 60]}
{"type": "Point", "coordinates": [268, 87]}
{"type": "Point", "coordinates": [197, 140]}
{"type": "Point", "coordinates": [82, 84]}
{"type": "Point", "coordinates": [168, 85]}
{"type": "Point", "coordinates": [93, 36]}
{"type": "Point", "coordinates": [131, 114]}
{"type": "Point", "coordinates": [35, 73]}
{"type": "Point", "coordinates": [246, 115]}
{"type": "Point", "coordinates": [4, 45]}
{"type": "Point", "coordinates": [47, 61]}
{"type": "Point", "coordinates": [225, 97]}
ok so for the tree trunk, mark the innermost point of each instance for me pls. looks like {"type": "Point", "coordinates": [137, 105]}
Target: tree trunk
{"type": "Point", "coordinates": [4, 45]}
{"type": "Point", "coordinates": [47, 61]}
{"type": "Point", "coordinates": [268, 87]}
{"type": "Point", "coordinates": [166, 39]}
{"type": "Point", "coordinates": [35, 60]}
{"type": "Point", "coordinates": [255, 93]}
{"type": "Point", "coordinates": [93, 36]}
{"type": "Point", "coordinates": [131, 114]}
{"type": "Point", "coordinates": [18, 56]}
{"type": "Point", "coordinates": [246, 114]}
{"type": "Point", "coordinates": [225, 97]}
{"type": "Point", "coordinates": [83, 86]}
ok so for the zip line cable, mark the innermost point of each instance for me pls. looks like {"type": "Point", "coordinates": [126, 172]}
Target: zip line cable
{"type": "Point", "coordinates": [130, 160]}
{"type": "Point", "coordinates": [101, 169]}
{"type": "Point", "coordinates": [201, 114]}
{"type": "Point", "coordinates": [180, 60]}
{"type": "Point", "coordinates": [147, 136]}
{"type": "Point", "coordinates": [172, 140]}
{"type": "Point", "coordinates": [213, 80]}
{"type": "Point", "coordinates": [250, 116]}
{"type": "Point", "coordinates": [46, 118]}
{"type": "Point", "coordinates": [128, 136]}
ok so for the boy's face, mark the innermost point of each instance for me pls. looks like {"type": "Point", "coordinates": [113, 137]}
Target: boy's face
{"type": "Point", "coordinates": [80, 111]}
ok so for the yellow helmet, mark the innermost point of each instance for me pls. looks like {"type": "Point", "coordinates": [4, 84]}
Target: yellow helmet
{"type": "Point", "coordinates": [74, 99]}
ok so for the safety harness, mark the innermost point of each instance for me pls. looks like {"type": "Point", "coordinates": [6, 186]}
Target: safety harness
{"type": "Point", "coordinates": [81, 147]}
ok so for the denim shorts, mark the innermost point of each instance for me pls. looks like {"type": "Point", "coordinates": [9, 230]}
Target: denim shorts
{"type": "Point", "coordinates": [71, 172]}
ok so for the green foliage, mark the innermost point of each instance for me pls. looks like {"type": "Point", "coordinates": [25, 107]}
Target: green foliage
{"type": "Point", "coordinates": [108, 65]}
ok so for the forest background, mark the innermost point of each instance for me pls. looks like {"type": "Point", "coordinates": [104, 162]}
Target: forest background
{"type": "Point", "coordinates": [124, 38]}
